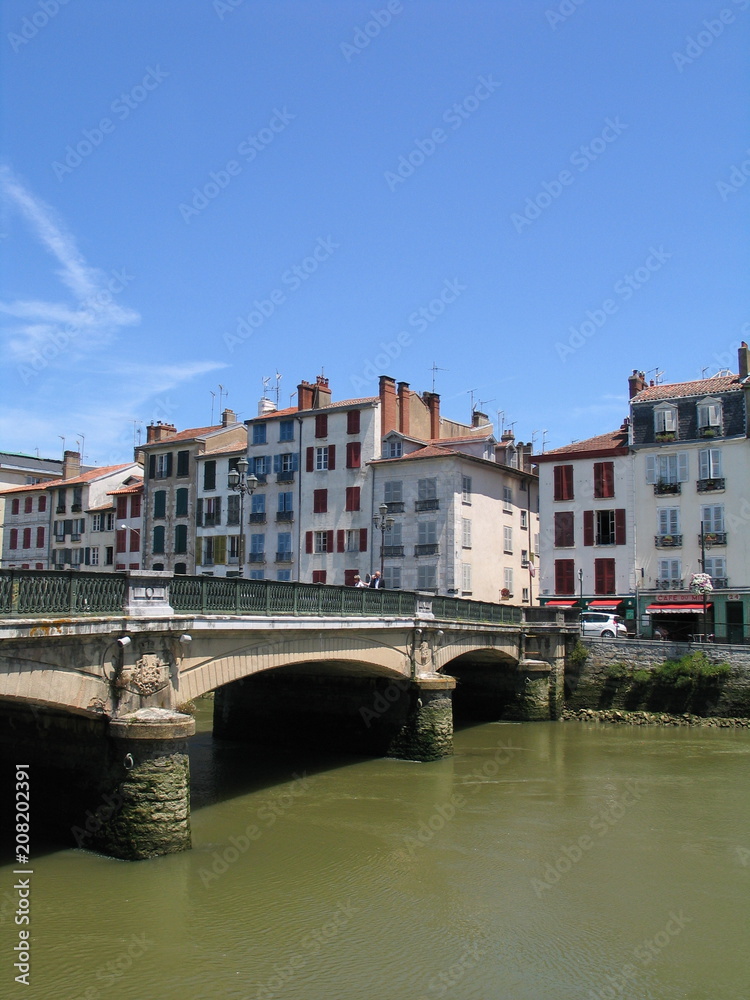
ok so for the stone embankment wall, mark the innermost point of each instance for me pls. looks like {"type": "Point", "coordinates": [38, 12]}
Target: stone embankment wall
{"type": "Point", "coordinates": [590, 685]}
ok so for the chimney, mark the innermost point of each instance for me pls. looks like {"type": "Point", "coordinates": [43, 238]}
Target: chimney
{"type": "Point", "coordinates": [743, 357]}
{"type": "Point", "coordinates": [228, 417]}
{"type": "Point", "coordinates": [71, 464]}
{"type": "Point", "coordinates": [404, 412]}
{"type": "Point", "coordinates": [322, 394]}
{"type": "Point", "coordinates": [479, 419]}
{"type": "Point", "coordinates": [388, 405]}
{"type": "Point", "coordinates": [305, 394]}
{"type": "Point", "coordinates": [636, 382]}
{"type": "Point", "coordinates": [159, 432]}
{"type": "Point", "coordinates": [265, 406]}
{"type": "Point", "coordinates": [433, 405]}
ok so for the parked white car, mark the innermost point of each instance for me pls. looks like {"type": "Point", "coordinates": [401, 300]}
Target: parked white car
{"type": "Point", "coordinates": [598, 623]}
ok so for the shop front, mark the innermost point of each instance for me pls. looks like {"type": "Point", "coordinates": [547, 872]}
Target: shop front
{"type": "Point", "coordinates": [679, 618]}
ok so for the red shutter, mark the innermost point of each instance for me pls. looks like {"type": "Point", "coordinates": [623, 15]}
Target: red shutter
{"type": "Point", "coordinates": [604, 576]}
{"type": "Point", "coordinates": [27, 538]}
{"type": "Point", "coordinates": [620, 526]}
{"type": "Point", "coordinates": [341, 540]}
{"type": "Point", "coordinates": [13, 544]}
{"type": "Point", "coordinates": [320, 501]}
{"type": "Point", "coordinates": [609, 479]}
{"type": "Point", "coordinates": [310, 466]}
{"type": "Point", "coordinates": [40, 538]}
{"type": "Point", "coordinates": [363, 539]}
{"type": "Point", "coordinates": [42, 505]}
{"type": "Point", "coordinates": [330, 540]}
{"type": "Point", "coordinates": [588, 527]}
{"type": "Point", "coordinates": [308, 541]}
{"type": "Point", "coordinates": [331, 456]}
{"type": "Point", "coordinates": [135, 540]}
{"type": "Point", "coordinates": [598, 479]}
{"type": "Point", "coordinates": [319, 576]}
{"type": "Point", "coordinates": [122, 507]}
{"type": "Point", "coordinates": [352, 422]}
{"type": "Point", "coordinates": [135, 505]}
{"type": "Point", "coordinates": [28, 505]}
{"type": "Point", "coordinates": [121, 546]}
{"type": "Point", "coordinates": [349, 577]}
{"type": "Point", "coordinates": [321, 425]}
{"type": "Point", "coordinates": [564, 576]}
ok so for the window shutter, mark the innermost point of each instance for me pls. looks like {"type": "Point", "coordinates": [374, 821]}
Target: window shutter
{"type": "Point", "coordinates": [341, 540]}
{"type": "Point", "coordinates": [310, 466]}
{"type": "Point", "coordinates": [330, 540]}
{"type": "Point", "coordinates": [588, 527]}
{"type": "Point", "coordinates": [598, 479]}
{"type": "Point", "coordinates": [169, 464]}
{"type": "Point", "coordinates": [198, 551]}
{"type": "Point", "coordinates": [308, 541]}
{"type": "Point", "coordinates": [220, 549]}
{"type": "Point", "coordinates": [152, 466]}
{"type": "Point", "coordinates": [682, 467]}
{"type": "Point", "coordinates": [277, 463]}
{"type": "Point", "coordinates": [331, 456]}
{"type": "Point", "coordinates": [321, 425]}
{"type": "Point", "coordinates": [217, 510]}
{"type": "Point", "coordinates": [295, 462]}
{"type": "Point", "coordinates": [352, 422]}
{"type": "Point", "coordinates": [199, 512]}
{"type": "Point", "coordinates": [620, 526]}
{"type": "Point", "coordinates": [87, 556]}
{"type": "Point", "coordinates": [353, 451]}
{"type": "Point", "coordinates": [363, 539]}
{"type": "Point", "coordinates": [599, 576]}
{"type": "Point", "coordinates": [40, 537]}
{"type": "Point", "coordinates": [651, 468]}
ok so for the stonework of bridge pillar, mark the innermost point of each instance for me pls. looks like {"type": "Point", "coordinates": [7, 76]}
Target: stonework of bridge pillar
{"type": "Point", "coordinates": [150, 813]}
{"type": "Point", "coordinates": [532, 703]}
{"type": "Point", "coordinates": [427, 733]}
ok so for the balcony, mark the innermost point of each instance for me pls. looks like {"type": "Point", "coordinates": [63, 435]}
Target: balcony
{"type": "Point", "coordinates": [710, 485]}
{"type": "Point", "coordinates": [285, 477]}
{"type": "Point", "coordinates": [663, 489]}
{"type": "Point", "coordinates": [665, 436]}
{"type": "Point", "coordinates": [720, 582]}
{"type": "Point", "coordinates": [669, 584]}
{"type": "Point", "coordinates": [76, 508]}
{"type": "Point", "coordinates": [710, 431]}
{"type": "Point", "coordinates": [61, 509]}
{"type": "Point", "coordinates": [285, 515]}
{"type": "Point", "coordinates": [667, 541]}
{"type": "Point", "coordinates": [393, 550]}
{"type": "Point", "coordinates": [395, 506]}
{"type": "Point", "coordinates": [258, 518]}
{"type": "Point", "coordinates": [262, 478]}
{"type": "Point", "coordinates": [426, 550]}
{"type": "Point", "coordinates": [257, 557]}
{"type": "Point", "coordinates": [714, 537]}
{"type": "Point", "coordinates": [432, 504]}
{"type": "Point", "coordinates": [284, 557]}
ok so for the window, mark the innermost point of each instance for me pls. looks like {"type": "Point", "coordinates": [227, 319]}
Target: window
{"type": "Point", "coordinates": [716, 567]}
{"type": "Point", "coordinates": [465, 533]}
{"type": "Point", "coordinates": [508, 579]}
{"type": "Point", "coordinates": [320, 501]}
{"type": "Point", "coordinates": [604, 521]}
{"type": "Point", "coordinates": [426, 577]}
{"type": "Point", "coordinates": [320, 541]}
{"type": "Point", "coordinates": [40, 537]}
{"type": "Point", "coordinates": [181, 502]}
{"type": "Point", "coordinates": [28, 505]}
{"type": "Point", "coordinates": [525, 558]}
{"type": "Point", "coordinates": [286, 430]}
{"type": "Point", "coordinates": [352, 422]}
{"type": "Point", "coordinates": [564, 533]}
{"type": "Point", "coordinates": [393, 448]}
{"type": "Point", "coordinates": [257, 507]}
{"type": "Point", "coordinates": [393, 491]}
{"type": "Point", "coordinates": [180, 569]}
{"type": "Point", "coordinates": [158, 546]}
{"type": "Point", "coordinates": [667, 468]}
{"type": "Point", "coordinates": [183, 463]}
{"type": "Point", "coordinates": [121, 540]}
{"type": "Point", "coordinates": [319, 576]}
{"type": "Point", "coordinates": [109, 521]}
{"type": "Point", "coordinates": [122, 507]}
{"type": "Point", "coordinates": [670, 572]}
{"type": "Point", "coordinates": [524, 520]}
{"type": "Point", "coordinates": [207, 559]}
{"type": "Point", "coordinates": [259, 433]}
{"type": "Point", "coordinates": [604, 576]}
{"type": "Point", "coordinates": [257, 574]}
{"type": "Point", "coordinates": [94, 555]}
{"type": "Point", "coordinates": [427, 533]}
{"type": "Point", "coordinates": [209, 474]}
{"type": "Point", "coordinates": [352, 497]}
{"type": "Point", "coordinates": [284, 543]}
{"type": "Point", "coordinates": [604, 527]}
{"type": "Point", "coordinates": [180, 539]}
{"type": "Point", "coordinates": [135, 505]}
{"type": "Point", "coordinates": [257, 547]}
{"type": "Point", "coordinates": [712, 519]}
{"type": "Point", "coordinates": [565, 577]}
{"type": "Point", "coordinates": [709, 414]}
{"type": "Point", "coordinates": [15, 506]}
{"type": "Point", "coordinates": [466, 578]}
{"type": "Point", "coordinates": [286, 502]}
{"type": "Point", "coordinates": [13, 543]}
{"type": "Point", "coordinates": [709, 463]}
{"type": "Point", "coordinates": [160, 504]}
{"type": "Point", "coordinates": [353, 454]}
{"type": "Point", "coordinates": [563, 482]}
{"type": "Point", "coordinates": [109, 555]}
{"type": "Point", "coordinates": [392, 577]}
{"type": "Point", "coordinates": [665, 419]}
{"type": "Point", "coordinates": [352, 540]}
{"type": "Point", "coordinates": [466, 489]}
{"type": "Point", "coordinates": [96, 522]}
{"type": "Point", "coordinates": [604, 479]}
{"type": "Point", "coordinates": [42, 504]}
{"type": "Point", "coordinates": [233, 509]}
{"type": "Point", "coordinates": [393, 537]}
{"type": "Point", "coordinates": [164, 466]}
{"type": "Point", "coordinates": [507, 538]}
{"type": "Point", "coordinates": [507, 500]}
{"type": "Point", "coordinates": [284, 575]}
{"type": "Point", "coordinates": [668, 521]}
{"type": "Point", "coordinates": [427, 489]}
{"type": "Point", "coordinates": [322, 459]}
{"type": "Point", "coordinates": [321, 425]}
{"type": "Point", "coordinates": [212, 511]}
{"type": "Point", "coordinates": [77, 499]}
{"type": "Point", "coordinates": [525, 594]}
{"type": "Point", "coordinates": [260, 466]}
{"type": "Point", "coordinates": [285, 463]}
{"type": "Point", "coordinates": [60, 502]}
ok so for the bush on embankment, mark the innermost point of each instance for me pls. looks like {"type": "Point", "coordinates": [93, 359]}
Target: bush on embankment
{"type": "Point", "coordinates": [691, 683]}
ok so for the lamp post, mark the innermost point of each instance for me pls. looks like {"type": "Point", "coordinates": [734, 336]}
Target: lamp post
{"type": "Point", "coordinates": [383, 521]}
{"type": "Point", "coordinates": [240, 482]}
{"type": "Point", "coordinates": [127, 527]}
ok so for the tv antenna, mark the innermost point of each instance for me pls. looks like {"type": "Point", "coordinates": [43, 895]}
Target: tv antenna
{"type": "Point", "coordinates": [222, 392]}
{"type": "Point", "coordinates": [436, 369]}
{"type": "Point", "coordinates": [213, 400]}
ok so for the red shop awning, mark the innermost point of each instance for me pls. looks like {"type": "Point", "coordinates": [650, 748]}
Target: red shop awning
{"type": "Point", "coordinates": [559, 604]}
{"type": "Point", "coordinates": [680, 609]}
{"type": "Point", "coordinates": [602, 605]}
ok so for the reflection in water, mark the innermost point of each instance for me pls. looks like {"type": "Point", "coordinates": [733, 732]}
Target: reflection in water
{"type": "Point", "coordinates": [541, 861]}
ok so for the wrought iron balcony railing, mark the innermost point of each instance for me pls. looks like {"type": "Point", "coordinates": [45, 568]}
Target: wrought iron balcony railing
{"type": "Point", "coordinates": [667, 489]}
{"type": "Point", "coordinates": [432, 504]}
{"type": "Point", "coordinates": [426, 550]}
{"type": "Point", "coordinates": [667, 541]}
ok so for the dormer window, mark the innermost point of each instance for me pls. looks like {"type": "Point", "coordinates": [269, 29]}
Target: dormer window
{"type": "Point", "coordinates": [393, 448]}
{"type": "Point", "coordinates": [665, 422]}
{"type": "Point", "coordinates": [709, 417]}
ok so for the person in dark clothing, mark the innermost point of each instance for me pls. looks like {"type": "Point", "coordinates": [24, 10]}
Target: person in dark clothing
{"type": "Point", "coordinates": [376, 580]}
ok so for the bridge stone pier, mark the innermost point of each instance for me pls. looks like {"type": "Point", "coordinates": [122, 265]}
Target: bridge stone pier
{"type": "Point", "coordinates": [95, 702]}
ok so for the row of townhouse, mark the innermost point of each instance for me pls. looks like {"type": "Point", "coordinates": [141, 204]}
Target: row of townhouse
{"type": "Point", "coordinates": [629, 517]}
{"type": "Point", "coordinates": [85, 519]}
{"type": "Point", "coordinates": [456, 510]}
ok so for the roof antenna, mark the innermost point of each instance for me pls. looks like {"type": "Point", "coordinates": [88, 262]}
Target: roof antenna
{"type": "Point", "coordinates": [436, 369]}
{"type": "Point", "coordinates": [213, 399]}
{"type": "Point", "coordinates": [62, 438]}
{"type": "Point", "coordinates": [278, 388]}
{"type": "Point", "coordinates": [222, 392]}
{"type": "Point", "coordinates": [82, 446]}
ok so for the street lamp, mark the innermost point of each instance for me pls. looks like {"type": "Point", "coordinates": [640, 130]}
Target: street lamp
{"type": "Point", "coordinates": [240, 482]}
{"type": "Point", "coordinates": [383, 521]}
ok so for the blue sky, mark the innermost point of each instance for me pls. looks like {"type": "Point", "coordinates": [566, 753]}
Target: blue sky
{"type": "Point", "coordinates": [534, 196]}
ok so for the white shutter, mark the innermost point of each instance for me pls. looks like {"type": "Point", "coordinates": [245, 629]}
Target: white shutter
{"type": "Point", "coordinates": [651, 468]}
{"type": "Point", "coordinates": [682, 467]}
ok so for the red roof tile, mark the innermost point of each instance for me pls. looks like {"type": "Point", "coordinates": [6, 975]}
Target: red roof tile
{"type": "Point", "coordinates": [85, 477]}
{"type": "Point", "coordinates": [135, 488]}
{"type": "Point", "coordinates": [703, 387]}
{"type": "Point", "coordinates": [601, 442]}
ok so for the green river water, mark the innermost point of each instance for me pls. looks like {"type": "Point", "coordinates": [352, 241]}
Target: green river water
{"type": "Point", "coordinates": [543, 861]}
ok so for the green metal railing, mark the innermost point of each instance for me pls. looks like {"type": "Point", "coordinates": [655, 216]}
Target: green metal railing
{"type": "Point", "coordinates": [54, 592]}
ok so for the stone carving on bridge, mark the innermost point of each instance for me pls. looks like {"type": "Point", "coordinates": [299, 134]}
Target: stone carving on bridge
{"type": "Point", "coordinates": [150, 675]}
